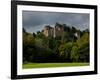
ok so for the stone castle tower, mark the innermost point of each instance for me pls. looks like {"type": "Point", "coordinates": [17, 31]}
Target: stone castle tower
{"type": "Point", "coordinates": [53, 32]}
{"type": "Point", "coordinates": [48, 31]}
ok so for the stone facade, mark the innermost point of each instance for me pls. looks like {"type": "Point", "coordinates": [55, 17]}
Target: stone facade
{"type": "Point", "coordinates": [53, 32]}
{"type": "Point", "coordinates": [59, 29]}
{"type": "Point", "coordinates": [48, 31]}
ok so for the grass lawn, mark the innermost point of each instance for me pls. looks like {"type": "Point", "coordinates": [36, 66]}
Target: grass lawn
{"type": "Point", "coordinates": [46, 65]}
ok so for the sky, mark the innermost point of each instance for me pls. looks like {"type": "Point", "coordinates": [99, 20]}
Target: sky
{"type": "Point", "coordinates": [34, 21]}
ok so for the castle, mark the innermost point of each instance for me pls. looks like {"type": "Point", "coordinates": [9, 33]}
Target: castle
{"type": "Point", "coordinates": [53, 32]}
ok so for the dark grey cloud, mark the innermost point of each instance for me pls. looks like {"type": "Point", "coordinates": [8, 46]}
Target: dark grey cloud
{"type": "Point", "coordinates": [34, 21]}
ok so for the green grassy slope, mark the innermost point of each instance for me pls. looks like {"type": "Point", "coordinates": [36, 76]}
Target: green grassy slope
{"type": "Point", "coordinates": [46, 65]}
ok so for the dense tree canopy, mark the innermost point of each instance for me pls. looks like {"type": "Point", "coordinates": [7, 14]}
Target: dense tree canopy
{"type": "Point", "coordinates": [64, 48]}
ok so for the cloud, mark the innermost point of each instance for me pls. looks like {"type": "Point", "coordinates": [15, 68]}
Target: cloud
{"type": "Point", "coordinates": [35, 20]}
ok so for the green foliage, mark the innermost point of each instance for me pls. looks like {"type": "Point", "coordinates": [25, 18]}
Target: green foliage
{"type": "Point", "coordinates": [83, 45]}
{"type": "Point", "coordinates": [40, 35]}
{"type": "Point", "coordinates": [84, 40]}
{"type": "Point", "coordinates": [39, 42]}
{"type": "Point", "coordinates": [28, 44]}
{"type": "Point", "coordinates": [74, 54]}
{"type": "Point", "coordinates": [28, 39]}
{"type": "Point", "coordinates": [64, 48]}
{"type": "Point", "coordinates": [63, 37]}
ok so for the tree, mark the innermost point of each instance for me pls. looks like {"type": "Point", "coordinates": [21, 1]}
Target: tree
{"type": "Point", "coordinates": [34, 35]}
{"type": "Point", "coordinates": [24, 30]}
{"type": "Point", "coordinates": [73, 29]}
{"type": "Point", "coordinates": [64, 37]}
{"type": "Point", "coordinates": [74, 54]}
{"type": "Point", "coordinates": [83, 40]}
{"type": "Point", "coordinates": [83, 46]}
{"type": "Point", "coordinates": [28, 47]}
{"type": "Point", "coordinates": [28, 39]}
{"type": "Point", "coordinates": [38, 32]}
{"type": "Point", "coordinates": [65, 50]}
{"type": "Point", "coordinates": [40, 35]}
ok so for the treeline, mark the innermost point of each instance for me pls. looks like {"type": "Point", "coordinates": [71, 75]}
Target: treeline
{"type": "Point", "coordinates": [71, 46]}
